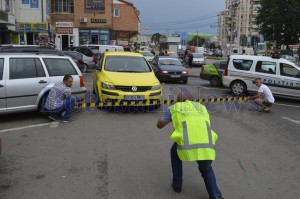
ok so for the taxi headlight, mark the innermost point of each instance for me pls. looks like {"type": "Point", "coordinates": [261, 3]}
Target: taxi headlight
{"type": "Point", "coordinates": [156, 87]}
{"type": "Point", "coordinates": [184, 72]}
{"type": "Point", "coordinates": [108, 86]}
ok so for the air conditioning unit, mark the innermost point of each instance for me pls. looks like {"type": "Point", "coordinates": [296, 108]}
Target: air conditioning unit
{"type": "Point", "coordinates": [83, 20]}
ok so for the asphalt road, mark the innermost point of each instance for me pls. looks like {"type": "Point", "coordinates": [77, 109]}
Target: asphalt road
{"type": "Point", "coordinates": [117, 155]}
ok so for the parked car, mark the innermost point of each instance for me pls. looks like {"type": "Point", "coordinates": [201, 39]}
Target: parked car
{"type": "Point", "coordinates": [169, 68]}
{"type": "Point", "coordinates": [280, 75]}
{"type": "Point", "coordinates": [27, 77]}
{"type": "Point", "coordinates": [213, 72]}
{"type": "Point", "coordinates": [199, 59]}
{"type": "Point", "coordinates": [126, 77]}
{"type": "Point", "coordinates": [148, 55]}
{"type": "Point", "coordinates": [90, 57]}
{"type": "Point", "coordinates": [78, 59]}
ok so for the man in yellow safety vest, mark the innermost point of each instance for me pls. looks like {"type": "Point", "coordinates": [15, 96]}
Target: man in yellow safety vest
{"type": "Point", "coordinates": [194, 140]}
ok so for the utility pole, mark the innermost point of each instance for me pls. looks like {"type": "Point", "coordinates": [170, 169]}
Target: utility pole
{"type": "Point", "coordinates": [197, 39]}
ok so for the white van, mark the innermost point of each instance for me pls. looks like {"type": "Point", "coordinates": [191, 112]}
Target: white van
{"type": "Point", "coordinates": [103, 48]}
{"type": "Point", "coordinates": [280, 75]}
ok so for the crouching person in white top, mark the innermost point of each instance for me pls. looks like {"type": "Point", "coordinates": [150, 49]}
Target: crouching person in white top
{"type": "Point", "coordinates": [264, 97]}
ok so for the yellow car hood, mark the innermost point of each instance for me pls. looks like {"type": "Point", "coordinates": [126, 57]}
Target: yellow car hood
{"type": "Point", "coordinates": [130, 79]}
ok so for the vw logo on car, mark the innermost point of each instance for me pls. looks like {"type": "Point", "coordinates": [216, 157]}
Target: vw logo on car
{"type": "Point", "coordinates": [134, 88]}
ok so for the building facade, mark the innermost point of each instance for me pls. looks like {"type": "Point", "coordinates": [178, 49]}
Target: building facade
{"type": "Point", "coordinates": [33, 25]}
{"type": "Point", "coordinates": [237, 24]}
{"type": "Point", "coordinates": [8, 32]}
{"type": "Point", "coordinates": [89, 22]}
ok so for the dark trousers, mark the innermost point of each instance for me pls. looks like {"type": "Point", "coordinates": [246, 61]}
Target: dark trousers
{"type": "Point", "coordinates": [205, 169]}
{"type": "Point", "coordinates": [68, 107]}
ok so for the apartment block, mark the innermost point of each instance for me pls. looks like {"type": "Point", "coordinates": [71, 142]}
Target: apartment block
{"type": "Point", "coordinates": [237, 24]}
{"type": "Point", "coordinates": [8, 32]}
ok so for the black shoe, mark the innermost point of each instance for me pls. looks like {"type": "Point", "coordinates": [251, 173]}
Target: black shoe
{"type": "Point", "coordinates": [176, 189]}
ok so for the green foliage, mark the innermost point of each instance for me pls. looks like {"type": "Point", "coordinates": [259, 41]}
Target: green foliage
{"type": "Point", "coordinates": [155, 38]}
{"type": "Point", "coordinates": [279, 20]}
{"type": "Point", "coordinates": [194, 41]}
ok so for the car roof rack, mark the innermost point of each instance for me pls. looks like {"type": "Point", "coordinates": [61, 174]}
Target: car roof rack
{"type": "Point", "coordinates": [32, 49]}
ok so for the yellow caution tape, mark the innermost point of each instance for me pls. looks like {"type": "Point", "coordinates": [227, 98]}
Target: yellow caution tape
{"type": "Point", "coordinates": [168, 102]}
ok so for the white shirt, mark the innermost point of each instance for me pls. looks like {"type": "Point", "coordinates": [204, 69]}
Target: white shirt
{"type": "Point", "coordinates": [267, 94]}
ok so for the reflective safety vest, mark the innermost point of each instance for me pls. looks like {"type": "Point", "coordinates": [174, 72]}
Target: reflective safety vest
{"type": "Point", "coordinates": [192, 133]}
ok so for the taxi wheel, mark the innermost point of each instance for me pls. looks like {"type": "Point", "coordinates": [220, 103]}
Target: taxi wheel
{"type": "Point", "coordinates": [215, 81]}
{"type": "Point", "coordinates": [238, 88]}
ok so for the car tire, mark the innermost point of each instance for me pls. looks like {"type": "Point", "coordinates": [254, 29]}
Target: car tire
{"type": "Point", "coordinates": [215, 81]}
{"type": "Point", "coordinates": [238, 88]}
{"type": "Point", "coordinates": [184, 82]}
{"type": "Point", "coordinates": [84, 68]}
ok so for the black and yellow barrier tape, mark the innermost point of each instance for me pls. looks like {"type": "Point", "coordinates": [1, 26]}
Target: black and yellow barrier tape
{"type": "Point", "coordinates": [156, 102]}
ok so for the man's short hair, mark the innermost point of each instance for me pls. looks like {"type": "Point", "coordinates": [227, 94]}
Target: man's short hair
{"type": "Point", "coordinates": [66, 77]}
{"type": "Point", "coordinates": [258, 78]}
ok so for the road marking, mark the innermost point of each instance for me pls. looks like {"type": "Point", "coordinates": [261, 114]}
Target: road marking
{"type": "Point", "coordinates": [25, 127]}
{"type": "Point", "coordinates": [54, 124]}
{"type": "Point", "coordinates": [291, 120]}
{"type": "Point", "coordinates": [287, 105]}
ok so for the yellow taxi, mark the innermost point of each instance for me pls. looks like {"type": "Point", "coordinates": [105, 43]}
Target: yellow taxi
{"type": "Point", "coordinates": [126, 79]}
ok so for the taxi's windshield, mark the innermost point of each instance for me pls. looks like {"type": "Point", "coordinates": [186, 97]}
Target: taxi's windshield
{"type": "Point", "coordinates": [126, 64]}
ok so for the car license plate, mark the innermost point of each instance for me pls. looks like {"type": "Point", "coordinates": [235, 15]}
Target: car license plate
{"type": "Point", "coordinates": [134, 97]}
{"type": "Point", "coordinates": [175, 76]}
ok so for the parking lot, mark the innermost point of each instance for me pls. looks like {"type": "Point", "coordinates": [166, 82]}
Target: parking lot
{"type": "Point", "coordinates": [115, 154]}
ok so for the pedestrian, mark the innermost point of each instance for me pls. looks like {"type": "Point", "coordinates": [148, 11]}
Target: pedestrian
{"type": "Point", "coordinates": [59, 102]}
{"type": "Point", "coordinates": [166, 53]}
{"type": "Point", "coordinates": [191, 57]}
{"type": "Point", "coordinates": [264, 97]}
{"type": "Point", "coordinates": [191, 124]}
{"type": "Point", "coordinates": [161, 53]}
{"type": "Point", "coordinates": [152, 51]}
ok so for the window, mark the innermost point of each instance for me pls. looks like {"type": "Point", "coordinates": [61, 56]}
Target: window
{"type": "Point", "coordinates": [22, 68]}
{"type": "Point", "coordinates": [116, 12]}
{"type": "Point", "coordinates": [59, 67]}
{"type": "Point", "coordinates": [289, 71]}
{"type": "Point", "coordinates": [242, 64]}
{"type": "Point", "coordinates": [1, 68]}
{"type": "Point", "coordinates": [62, 6]}
{"type": "Point", "coordinates": [266, 67]}
{"type": "Point", "coordinates": [126, 64]}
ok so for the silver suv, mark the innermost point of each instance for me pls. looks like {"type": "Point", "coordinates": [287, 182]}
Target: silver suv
{"type": "Point", "coordinates": [25, 79]}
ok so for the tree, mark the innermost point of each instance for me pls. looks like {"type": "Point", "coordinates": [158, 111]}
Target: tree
{"type": "Point", "coordinates": [155, 38]}
{"type": "Point", "coordinates": [195, 40]}
{"type": "Point", "coordinates": [279, 21]}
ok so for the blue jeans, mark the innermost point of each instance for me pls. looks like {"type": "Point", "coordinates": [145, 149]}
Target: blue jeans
{"type": "Point", "coordinates": [68, 107]}
{"type": "Point", "coordinates": [205, 169]}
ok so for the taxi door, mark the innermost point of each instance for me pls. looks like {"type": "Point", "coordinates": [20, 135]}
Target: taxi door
{"type": "Point", "coordinates": [290, 80]}
{"type": "Point", "coordinates": [2, 86]}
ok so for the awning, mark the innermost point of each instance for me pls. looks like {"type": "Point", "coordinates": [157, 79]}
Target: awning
{"type": "Point", "coordinates": [6, 23]}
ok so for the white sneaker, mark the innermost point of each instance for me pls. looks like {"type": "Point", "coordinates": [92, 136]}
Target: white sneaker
{"type": "Point", "coordinates": [69, 120]}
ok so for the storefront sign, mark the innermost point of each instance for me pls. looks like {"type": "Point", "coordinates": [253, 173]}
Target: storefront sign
{"type": "Point", "coordinates": [64, 24]}
{"type": "Point", "coordinates": [122, 43]}
{"type": "Point", "coordinates": [64, 31]}
{"type": "Point", "coordinates": [121, 34]}
{"type": "Point", "coordinates": [33, 27]}
{"type": "Point", "coordinates": [34, 3]}
{"type": "Point", "coordinates": [98, 21]}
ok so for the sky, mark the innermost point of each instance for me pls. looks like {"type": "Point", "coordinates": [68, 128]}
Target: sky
{"type": "Point", "coordinates": [169, 16]}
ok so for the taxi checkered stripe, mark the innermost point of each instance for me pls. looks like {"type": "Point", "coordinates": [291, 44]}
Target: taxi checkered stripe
{"type": "Point", "coordinates": [168, 102]}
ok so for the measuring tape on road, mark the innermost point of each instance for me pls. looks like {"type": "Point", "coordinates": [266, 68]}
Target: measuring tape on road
{"type": "Point", "coordinates": [168, 102]}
